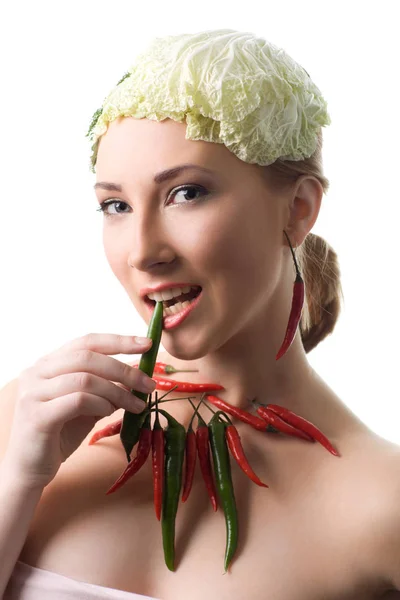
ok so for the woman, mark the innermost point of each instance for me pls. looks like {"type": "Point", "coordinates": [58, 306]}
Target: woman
{"type": "Point", "coordinates": [248, 119]}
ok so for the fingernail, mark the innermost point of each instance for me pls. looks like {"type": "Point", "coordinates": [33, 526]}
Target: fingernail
{"type": "Point", "coordinates": [139, 404]}
{"type": "Point", "coordinates": [149, 385]}
{"type": "Point", "coordinates": [143, 341]}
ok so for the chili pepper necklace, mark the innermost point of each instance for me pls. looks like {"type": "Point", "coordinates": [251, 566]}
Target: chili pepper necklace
{"type": "Point", "coordinates": [173, 447]}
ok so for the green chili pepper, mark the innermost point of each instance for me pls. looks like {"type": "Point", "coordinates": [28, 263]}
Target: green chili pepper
{"type": "Point", "coordinates": [132, 422]}
{"type": "Point", "coordinates": [223, 477]}
{"type": "Point", "coordinates": [175, 443]}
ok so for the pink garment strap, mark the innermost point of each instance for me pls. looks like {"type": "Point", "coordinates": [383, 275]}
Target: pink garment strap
{"type": "Point", "coordinates": [32, 583]}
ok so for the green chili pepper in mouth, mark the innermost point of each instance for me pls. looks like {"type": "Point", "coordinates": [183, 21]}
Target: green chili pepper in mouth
{"type": "Point", "coordinates": [132, 422]}
{"type": "Point", "coordinates": [223, 477]}
{"type": "Point", "coordinates": [175, 444]}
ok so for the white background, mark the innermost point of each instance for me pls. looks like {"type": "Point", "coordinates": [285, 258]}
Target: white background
{"type": "Point", "coordinates": [60, 60]}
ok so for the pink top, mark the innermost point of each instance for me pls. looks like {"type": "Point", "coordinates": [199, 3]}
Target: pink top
{"type": "Point", "coordinates": [32, 583]}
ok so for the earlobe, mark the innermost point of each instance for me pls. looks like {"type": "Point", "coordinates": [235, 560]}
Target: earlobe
{"type": "Point", "coordinates": [304, 208]}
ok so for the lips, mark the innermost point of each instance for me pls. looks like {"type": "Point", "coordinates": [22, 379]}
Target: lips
{"type": "Point", "coordinates": [165, 286]}
{"type": "Point", "coordinates": [172, 321]}
{"type": "Point", "coordinates": [188, 296]}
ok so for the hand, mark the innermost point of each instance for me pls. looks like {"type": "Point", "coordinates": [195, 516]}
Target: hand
{"type": "Point", "coordinates": [62, 396]}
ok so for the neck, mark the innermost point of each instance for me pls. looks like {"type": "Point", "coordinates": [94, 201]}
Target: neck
{"type": "Point", "coordinates": [247, 368]}
{"type": "Point", "coordinates": [251, 374]}
{"type": "Point", "coordinates": [255, 375]}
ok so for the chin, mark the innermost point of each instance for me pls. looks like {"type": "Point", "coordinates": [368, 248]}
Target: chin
{"type": "Point", "coordinates": [185, 350]}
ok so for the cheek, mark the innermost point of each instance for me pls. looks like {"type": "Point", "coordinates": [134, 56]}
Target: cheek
{"type": "Point", "coordinates": [242, 253]}
{"type": "Point", "coordinates": [241, 243]}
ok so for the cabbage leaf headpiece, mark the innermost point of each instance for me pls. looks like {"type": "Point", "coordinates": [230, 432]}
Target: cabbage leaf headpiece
{"type": "Point", "coordinates": [230, 87]}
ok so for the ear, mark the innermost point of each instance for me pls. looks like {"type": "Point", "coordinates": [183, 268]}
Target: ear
{"type": "Point", "coordinates": [304, 206]}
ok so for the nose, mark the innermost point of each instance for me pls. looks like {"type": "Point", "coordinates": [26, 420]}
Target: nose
{"type": "Point", "coordinates": [151, 245]}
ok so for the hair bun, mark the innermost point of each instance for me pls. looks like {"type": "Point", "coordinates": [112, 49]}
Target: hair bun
{"type": "Point", "coordinates": [323, 290]}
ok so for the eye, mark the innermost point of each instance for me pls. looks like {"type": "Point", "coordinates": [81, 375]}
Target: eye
{"type": "Point", "coordinates": [199, 189]}
{"type": "Point", "coordinates": [104, 207]}
{"type": "Point", "coordinates": [194, 189]}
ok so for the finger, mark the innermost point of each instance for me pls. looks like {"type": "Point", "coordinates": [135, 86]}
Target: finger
{"type": "Point", "coordinates": [91, 384]}
{"type": "Point", "coordinates": [65, 408]}
{"type": "Point", "coordinates": [110, 343]}
{"type": "Point", "coordinates": [105, 343]}
{"type": "Point", "coordinates": [98, 364]}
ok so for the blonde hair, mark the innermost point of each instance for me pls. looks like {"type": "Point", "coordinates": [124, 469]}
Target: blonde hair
{"type": "Point", "coordinates": [318, 262]}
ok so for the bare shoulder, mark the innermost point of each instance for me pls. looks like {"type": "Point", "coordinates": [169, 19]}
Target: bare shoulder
{"type": "Point", "coordinates": [7, 403]}
{"type": "Point", "coordinates": [382, 549]}
{"type": "Point", "coordinates": [8, 389]}
{"type": "Point", "coordinates": [8, 395]}
{"type": "Point", "coordinates": [390, 554]}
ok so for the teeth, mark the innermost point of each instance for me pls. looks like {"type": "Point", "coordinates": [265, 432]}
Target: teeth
{"type": "Point", "coordinates": [175, 308]}
{"type": "Point", "coordinates": [168, 294]}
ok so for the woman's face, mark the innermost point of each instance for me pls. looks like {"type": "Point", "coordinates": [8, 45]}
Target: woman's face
{"type": "Point", "coordinates": [223, 231]}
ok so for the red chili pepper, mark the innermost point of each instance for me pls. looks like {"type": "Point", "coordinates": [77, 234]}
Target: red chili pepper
{"type": "Point", "coordinates": [165, 369]}
{"type": "Point", "coordinates": [295, 312]}
{"type": "Point", "coordinates": [157, 457]}
{"type": "Point", "coordinates": [143, 451]}
{"type": "Point", "coordinates": [107, 431]}
{"type": "Point", "coordinates": [294, 318]}
{"type": "Point", "coordinates": [190, 456]}
{"type": "Point", "coordinates": [190, 463]}
{"type": "Point", "coordinates": [183, 386]}
{"type": "Point", "coordinates": [203, 449]}
{"type": "Point", "coordinates": [236, 448]}
{"type": "Point", "coordinates": [304, 425]}
{"type": "Point", "coordinates": [280, 425]}
{"type": "Point", "coordinates": [239, 413]}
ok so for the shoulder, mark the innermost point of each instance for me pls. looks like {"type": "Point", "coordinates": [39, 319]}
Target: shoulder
{"type": "Point", "coordinates": [383, 527]}
{"type": "Point", "coordinates": [8, 395]}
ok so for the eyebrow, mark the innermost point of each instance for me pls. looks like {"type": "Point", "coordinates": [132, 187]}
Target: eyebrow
{"type": "Point", "coordinates": [158, 178]}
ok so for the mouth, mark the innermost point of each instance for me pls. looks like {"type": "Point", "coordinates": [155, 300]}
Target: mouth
{"type": "Point", "coordinates": [176, 305]}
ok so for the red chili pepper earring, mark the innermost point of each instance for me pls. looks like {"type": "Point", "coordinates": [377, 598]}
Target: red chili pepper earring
{"type": "Point", "coordinates": [297, 306]}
